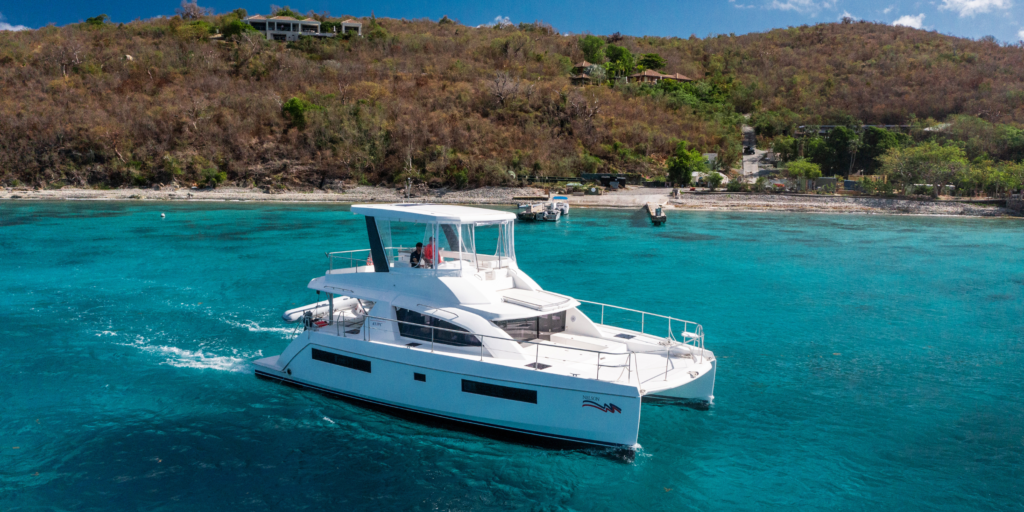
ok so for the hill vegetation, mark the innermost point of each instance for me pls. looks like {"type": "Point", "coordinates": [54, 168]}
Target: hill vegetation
{"type": "Point", "coordinates": [201, 98]}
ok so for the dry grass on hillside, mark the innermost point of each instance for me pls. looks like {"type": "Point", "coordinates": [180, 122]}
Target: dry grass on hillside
{"type": "Point", "coordinates": [159, 100]}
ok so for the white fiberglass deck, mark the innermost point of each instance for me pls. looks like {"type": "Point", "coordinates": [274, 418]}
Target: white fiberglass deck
{"type": "Point", "coordinates": [568, 355]}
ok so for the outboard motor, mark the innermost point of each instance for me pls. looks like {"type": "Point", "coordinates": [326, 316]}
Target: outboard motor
{"type": "Point", "coordinates": [307, 320]}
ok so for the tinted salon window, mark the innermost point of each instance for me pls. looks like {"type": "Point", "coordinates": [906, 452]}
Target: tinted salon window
{"type": "Point", "coordinates": [526, 329]}
{"type": "Point", "coordinates": [422, 329]}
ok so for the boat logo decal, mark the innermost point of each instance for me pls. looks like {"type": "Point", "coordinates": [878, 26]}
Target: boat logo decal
{"type": "Point", "coordinates": [612, 408]}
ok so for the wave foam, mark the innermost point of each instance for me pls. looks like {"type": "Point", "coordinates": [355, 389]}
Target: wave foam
{"type": "Point", "coordinates": [286, 332]}
{"type": "Point", "coordinates": [184, 358]}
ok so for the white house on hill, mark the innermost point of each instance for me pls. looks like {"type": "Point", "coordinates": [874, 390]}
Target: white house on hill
{"type": "Point", "coordinates": [285, 28]}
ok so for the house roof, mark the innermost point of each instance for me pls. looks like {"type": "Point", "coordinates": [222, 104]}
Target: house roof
{"type": "Point", "coordinates": [648, 72]}
{"type": "Point", "coordinates": [678, 76]}
{"type": "Point", "coordinates": [583, 64]}
{"type": "Point", "coordinates": [280, 18]}
{"type": "Point", "coordinates": [351, 21]}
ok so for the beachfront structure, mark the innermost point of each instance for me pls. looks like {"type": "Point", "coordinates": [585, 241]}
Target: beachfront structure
{"type": "Point", "coordinates": [285, 28]}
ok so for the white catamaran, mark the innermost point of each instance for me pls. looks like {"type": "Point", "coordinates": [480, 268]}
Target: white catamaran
{"type": "Point", "coordinates": [454, 329]}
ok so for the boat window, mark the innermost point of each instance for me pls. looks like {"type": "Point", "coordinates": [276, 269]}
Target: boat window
{"type": "Point", "coordinates": [422, 331]}
{"type": "Point", "coordinates": [340, 360]}
{"type": "Point", "coordinates": [526, 329]}
{"type": "Point", "coordinates": [506, 392]}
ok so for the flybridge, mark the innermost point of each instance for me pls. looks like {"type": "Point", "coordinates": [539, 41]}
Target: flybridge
{"type": "Point", "coordinates": [452, 239]}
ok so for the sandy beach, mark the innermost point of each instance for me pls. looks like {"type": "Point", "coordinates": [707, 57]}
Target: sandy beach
{"type": "Point", "coordinates": [630, 198]}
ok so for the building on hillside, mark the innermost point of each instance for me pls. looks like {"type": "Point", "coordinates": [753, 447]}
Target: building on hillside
{"type": "Point", "coordinates": [651, 76]}
{"type": "Point", "coordinates": [581, 67]}
{"type": "Point", "coordinates": [580, 79]}
{"type": "Point", "coordinates": [647, 76]}
{"type": "Point", "coordinates": [352, 26]}
{"type": "Point", "coordinates": [285, 28]}
{"type": "Point", "coordinates": [677, 77]}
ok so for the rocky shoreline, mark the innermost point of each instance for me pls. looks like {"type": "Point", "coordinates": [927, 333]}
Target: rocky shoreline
{"type": "Point", "coordinates": [631, 198]}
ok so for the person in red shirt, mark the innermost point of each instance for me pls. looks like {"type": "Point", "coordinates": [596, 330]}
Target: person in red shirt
{"type": "Point", "coordinates": [428, 253]}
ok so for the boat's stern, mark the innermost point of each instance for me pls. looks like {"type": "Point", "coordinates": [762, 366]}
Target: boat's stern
{"type": "Point", "coordinates": [268, 367]}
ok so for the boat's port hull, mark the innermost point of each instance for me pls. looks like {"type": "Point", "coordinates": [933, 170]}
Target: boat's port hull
{"type": "Point", "coordinates": [541, 405]}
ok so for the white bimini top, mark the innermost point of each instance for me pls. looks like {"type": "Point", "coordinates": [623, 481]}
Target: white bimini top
{"type": "Point", "coordinates": [432, 213]}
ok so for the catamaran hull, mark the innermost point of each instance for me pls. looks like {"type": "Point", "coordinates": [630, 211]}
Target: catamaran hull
{"type": "Point", "coordinates": [534, 403]}
{"type": "Point", "coordinates": [702, 388]}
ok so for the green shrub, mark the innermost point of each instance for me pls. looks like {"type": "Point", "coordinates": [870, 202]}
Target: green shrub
{"type": "Point", "coordinates": [287, 11]}
{"type": "Point", "coordinates": [211, 177]}
{"type": "Point", "coordinates": [96, 21]}
{"type": "Point", "coordinates": [714, 180]}
{"type": "Point", "coordinates": [460, 178]}
{"type": "Point", "coordinates": [684, 163]}
{"type": "Point", "coordinates": [236, 27]}
{"type": "Point", "coordinates": [295, 109]}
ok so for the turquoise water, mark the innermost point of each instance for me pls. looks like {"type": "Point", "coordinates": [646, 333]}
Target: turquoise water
{"type": "Point", "coordinates": [865, 363]}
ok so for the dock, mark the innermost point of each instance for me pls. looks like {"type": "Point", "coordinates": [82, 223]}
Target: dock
{"type": "Point", "coordinates": [656, 213]}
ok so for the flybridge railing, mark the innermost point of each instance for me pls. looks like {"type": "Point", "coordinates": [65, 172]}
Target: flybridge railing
{"type": "Point", "coordinates": [630, 365]}
{"type": "Point", "coordinates": [349, 259]}
{"type": "Point", "coordinates": [692, 332]}
{"type": "Point", "coordinates": [399, 257]}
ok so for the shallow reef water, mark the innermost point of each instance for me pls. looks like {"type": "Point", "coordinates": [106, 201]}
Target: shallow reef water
{"type": "Point", "coordinates": [865, 362]}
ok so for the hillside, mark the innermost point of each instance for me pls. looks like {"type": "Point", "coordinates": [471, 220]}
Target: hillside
{"type": "Point", "coordinates": [155, 101]}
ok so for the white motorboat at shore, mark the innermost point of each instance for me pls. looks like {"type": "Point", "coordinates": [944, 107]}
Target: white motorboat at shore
{"type": "Point", "coordinates": [561, 203]}
{"type": "Point", "coordinates": [468, 336]}
{"type": "Point", "coordinates": [551, 213]}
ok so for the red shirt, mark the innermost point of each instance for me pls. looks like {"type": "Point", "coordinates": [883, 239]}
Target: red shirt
{"type": "Point", "coordinates": [428, 252]}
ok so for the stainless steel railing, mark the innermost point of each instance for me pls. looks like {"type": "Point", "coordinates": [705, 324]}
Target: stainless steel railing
{"type": "Point", "coordinates": [630, 365]}
{"type": "Point", "coordinates": [349, 259]}
{"type": "Point", "coordinates": [692, 332]}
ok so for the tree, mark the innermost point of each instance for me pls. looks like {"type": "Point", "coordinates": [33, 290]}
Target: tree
{"type": "Point", "coordinates": [714, 180]}
{"type": "Point", "coordinates": [876, 142]}
{"type": "Point", "coordinates": [191, 11]}
{"type": "Point", "coordinates": [620, 61]}
{"type": "Point", "coordinates": [787, 148]}
{"type": "Point", "coordinates": [833, 153]}
{"type": "Point", "coordinates": [505, 87]}
{"type": "Point", "coordinates": [296, 109]}
{"type": "Point", "coordinates": [652, 61]}
{"type": "Point", "coordinates": [592, 48]}
{"type": "Point", "coordinates": [801, 168]}
{"type": "Point", "coordinates": [96, 21]}
{"type": "Point", "coordinates": [926, 163]}
{"type": "Point", "coordinates": [236, 27]}
{"type": "Point", "coordinates": [617, 53]}
{"type": "Point", "coordinates": [684, 163]}
{"type": "Point", "coordinates": [287, 11]}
